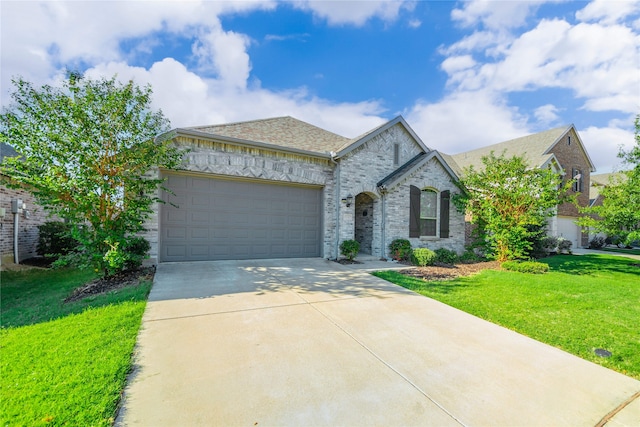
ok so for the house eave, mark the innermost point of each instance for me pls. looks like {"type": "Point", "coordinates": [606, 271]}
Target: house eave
{"type": "Point", "coordinates": [246, 143]}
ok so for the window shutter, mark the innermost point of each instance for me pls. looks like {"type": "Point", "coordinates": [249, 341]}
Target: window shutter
{"type": "Point", "coordinates": [444, 213]}
{"type": "Point", "coordinates": [414, 211]}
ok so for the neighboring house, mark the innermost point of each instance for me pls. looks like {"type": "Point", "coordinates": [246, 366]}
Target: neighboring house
{"type": "Point", "coordinates": [28, 219]}
{"type": "Point", "coordinates": [282, 188]}
{"type": "Point", "coordinates": [595, 198]}
{"type": "Point", "coordinates": [560, 149]}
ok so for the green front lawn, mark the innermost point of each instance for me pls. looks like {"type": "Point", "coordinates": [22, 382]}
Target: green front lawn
{"type": "Point", "coordinates": [620, 250]}
{"type": "Point", "coordinates": [64, 364]}
{"type": "Point", "coordinates": [584, 303]}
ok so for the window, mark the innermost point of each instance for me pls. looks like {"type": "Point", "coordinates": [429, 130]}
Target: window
{"type": "Point", "coordinates": [423, 213]}
{"type": "Point", "coordinates": [428, 212]}
{"type": "Point", "coordinates": [577, 180]}
{"type": "Point", "coordinates": [396, 154]}
{"type": "Point", "coordinates": [568, 140]}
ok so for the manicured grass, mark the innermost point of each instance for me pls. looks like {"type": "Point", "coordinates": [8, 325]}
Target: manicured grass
{"type": "Point", "coordinates": [583, 303]}
{"type": "Point", "coordinates": [64, 364]}
{"type": "Point", "coordinates": [623, 251]}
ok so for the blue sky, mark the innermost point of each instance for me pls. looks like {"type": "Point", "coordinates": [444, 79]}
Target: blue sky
{"type": "Point", "coordinates": [463, 74]}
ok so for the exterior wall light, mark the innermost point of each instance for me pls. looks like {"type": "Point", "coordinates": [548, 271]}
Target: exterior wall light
{"type": "Point", "coordinates": [348, 200]}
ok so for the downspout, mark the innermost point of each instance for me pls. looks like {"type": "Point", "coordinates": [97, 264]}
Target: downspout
{"type": "Point", "coordinates": [16, 255]}
{"type": "Point", "coordinates": [337, 204]}
{"type": "Point", "coordinates": [383, 191]}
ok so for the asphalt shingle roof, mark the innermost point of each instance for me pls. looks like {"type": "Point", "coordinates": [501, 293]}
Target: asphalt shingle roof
{"type": "Point", "coordinates": [281, 132]}
{"type": "Point", "coordinates": [533, 148]}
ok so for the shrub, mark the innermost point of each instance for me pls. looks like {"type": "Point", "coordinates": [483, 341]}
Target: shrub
{"type": "Point", "coordinates": [446, 256]}
{"type": "Point", "coordinates": [54, 239]}
{"type": "Point", "coordinates": [596, 243]}
{"type": "Point", "coordinates": [400, 249]}
{"type": "Point", "coordinates": [350, 249]}
{"type": "Point", "coordinates": [471, 256]}
{"type": "Point", "coordinates": [423, 257]}
{"type": "Point", "coordinates": [564, 245]}
{"type": "Point", "coordinates": [532, 267]}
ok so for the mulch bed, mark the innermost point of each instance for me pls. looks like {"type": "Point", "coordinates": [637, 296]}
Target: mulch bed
{"type": "Point", "coordinates": [448, 271]}
{"type": "Point", "coordinates": [37, 262]}
{"type": "Point", "coordinates": [117, 281]}
{"type": "Point", "coordinates": [345, 261]}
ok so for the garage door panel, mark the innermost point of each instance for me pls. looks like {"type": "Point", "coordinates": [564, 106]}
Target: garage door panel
{"type": "Point", "coordinates": [227, 219]}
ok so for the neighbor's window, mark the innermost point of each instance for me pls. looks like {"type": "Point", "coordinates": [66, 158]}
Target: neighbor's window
{"type": "Point", "coordinates": [428, 212]}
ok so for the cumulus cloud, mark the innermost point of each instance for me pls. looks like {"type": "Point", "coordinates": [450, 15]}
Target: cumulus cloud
{"type": "Point", "coordinates": [546, 115]}
{"type": "Point", "coordinates": [607, 11]}
{"type": "Point", "coordinates": [463, 121]}
{"type": "Point", "coordinates": [353, 12]}
{"type": "Point", "coordinates": [603, 144]}
{"type": "Point", "coordinates": [495, 14]}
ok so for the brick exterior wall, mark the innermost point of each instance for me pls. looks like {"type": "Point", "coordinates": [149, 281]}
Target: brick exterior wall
{"type": "Point", "coordinates": [571, 156]}
{"type": "Point", "coordinates": [27, 227]}
{"type": "Point", "coordinates": [365, 166]}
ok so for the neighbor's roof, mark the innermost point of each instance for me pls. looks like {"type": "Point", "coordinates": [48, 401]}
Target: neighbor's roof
{"type": "Point", "coordinates": [7, 151]}
{"type": "Point", "coordinates": [533, 148]}
{"type": "Point", "coordinates": [285, 132]}
{"type": "Point", "coordinates": [601, 180]}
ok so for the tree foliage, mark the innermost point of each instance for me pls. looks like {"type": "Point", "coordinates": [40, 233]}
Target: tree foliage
{"type": "Point", "coordinates": [619, 214]}
{"type": "Point", "coordinates": [509, 203]}
{"type": "Point", "coordinates": [87, 152]}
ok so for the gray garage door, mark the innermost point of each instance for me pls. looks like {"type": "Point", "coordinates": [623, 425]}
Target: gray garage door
{"type": "Point", "coordinates": [219, 219]}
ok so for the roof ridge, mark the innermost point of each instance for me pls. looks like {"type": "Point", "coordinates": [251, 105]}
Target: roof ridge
{"type": "Point", "coordinates": [241, 122]}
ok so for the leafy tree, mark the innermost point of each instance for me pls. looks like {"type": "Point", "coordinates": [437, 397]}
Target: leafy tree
{"type": "Point", "coordinates": [619, 214]}
{"type": "Point", "coordinates": [87, 152]}
{"type": "Point", "coordinates": [509, 203]}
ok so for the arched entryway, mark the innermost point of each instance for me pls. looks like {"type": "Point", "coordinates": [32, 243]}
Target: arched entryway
{"type": "Point", "coordinates": [364, 222]}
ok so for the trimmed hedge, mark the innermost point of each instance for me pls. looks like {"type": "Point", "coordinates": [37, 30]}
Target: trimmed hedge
{"type": "Point", "coordinates": [350, 249]}
{"type": "Point", "coordinates": [400, 249]}
{"type": "Point", "coordinates": [532, 267]}
{"type": "Point", "coordinates": [423, 257]}
{"type": "Point", "coordinates": [446, 256]}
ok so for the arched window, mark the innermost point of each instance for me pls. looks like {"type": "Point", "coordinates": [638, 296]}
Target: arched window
{"type": "Point", "coordinates": [423, 216]}
{"type": "Point", "coordinates": [428, 212]}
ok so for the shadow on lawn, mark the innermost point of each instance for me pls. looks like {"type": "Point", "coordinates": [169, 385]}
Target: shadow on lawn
{"type": "Point", "coordinates": [589, 264]}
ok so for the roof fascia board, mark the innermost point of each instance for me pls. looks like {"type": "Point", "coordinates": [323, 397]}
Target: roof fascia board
{"type": "Point", "coordinates": [584, 150]}
{"type": "Point", "coordinates": [381, 129]}
{"type": "Point", "coordinates": [247, 143]}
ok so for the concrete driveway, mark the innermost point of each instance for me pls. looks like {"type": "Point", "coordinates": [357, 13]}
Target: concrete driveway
{"type": "Point", "coordinates": [309, 342]}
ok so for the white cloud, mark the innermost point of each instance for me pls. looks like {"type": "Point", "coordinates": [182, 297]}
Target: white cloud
{"type": "Point", "coordinates": [414, 23]}
{"type": "Point", "coordinates": [353, 12]}
{"type": "Point", "coordinates": [546, 115]}
{"type": "Point", "coordinates": [190, 100]}
{"type": "Point", "coordinates": [464, 121]}
{"type": "Point", "coordinates": [603, 145]}
{"type": "Point", "coordinates": [607, 11]}
{"type": "Point", "coordinates": [495, 14]}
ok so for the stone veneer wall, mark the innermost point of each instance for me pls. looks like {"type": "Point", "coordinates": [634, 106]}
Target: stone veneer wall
{"type": "Point", "coordinates": [360, 171]}
{"type": "Point", "coordinates": [431, 175]}
{"type": "Point", "coordinates": [218, 158]}
{"type": "Point", "coordinates": [27, 227]}
{"type": "Point", "coordinates": [364, 167]}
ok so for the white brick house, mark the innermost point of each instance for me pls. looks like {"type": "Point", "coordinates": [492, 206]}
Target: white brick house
{"type": "Point", "coordinates": [280, 187]}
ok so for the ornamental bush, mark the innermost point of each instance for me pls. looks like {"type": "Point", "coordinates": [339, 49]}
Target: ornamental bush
{"type": "Point", "coordinates": [532, 267]}
{"type": "Point", "coordinates": [564, 245]}
{"type": "Point", "coordinates": [400, 249]}
{"type": "Point", "coordinates": [54, 239]}
{"type": "Point", "coordinates": [350, 249]}
{"type": "Point", "coordinates": [423, 257]}
{"type": "Point", "coordinates": [446, 256]}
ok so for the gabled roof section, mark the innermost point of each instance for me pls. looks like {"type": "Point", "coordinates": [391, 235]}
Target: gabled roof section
{"type": "Point", "coordinates": [7, 151]}
{"type": "Point", "coordinates": [602, 180]}
{"type": "Point", "coordinates": [279, 132]}
{"type": "Point", "coordinates": [412, 165]}
{"type": "Point", "coordinates": [354, 143]}
{"type": "Point", "coordinates": [533, 148]}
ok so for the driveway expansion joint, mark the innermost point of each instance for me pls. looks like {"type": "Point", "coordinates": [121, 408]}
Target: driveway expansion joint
{"type": "Point", "coordinates": [605, 420]}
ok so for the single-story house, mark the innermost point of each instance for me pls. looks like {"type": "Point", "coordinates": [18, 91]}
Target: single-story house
{"type": "Point", "coordinates": [280, 188]}
{"type": "Point", "coordinates": [560, 149]}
